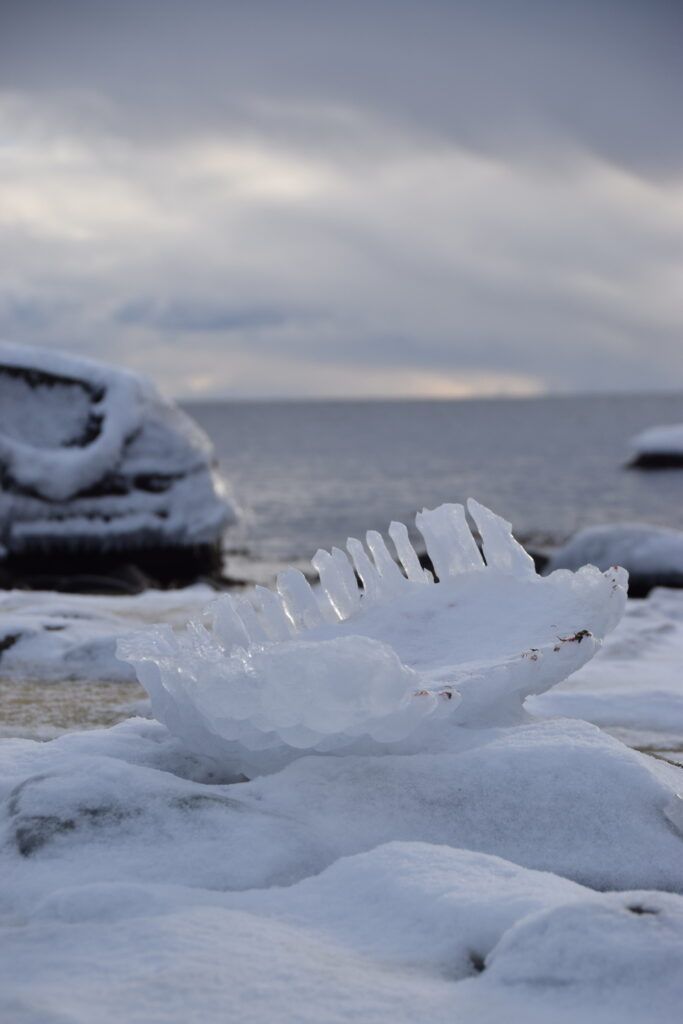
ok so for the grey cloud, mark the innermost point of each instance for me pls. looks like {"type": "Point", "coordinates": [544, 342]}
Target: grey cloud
{"type": "Point", "coordinates": [498, 75]}
{"type": "Point", "coordinates": [419, 188]}
{"type": "Point", "coordinates": [193, 315]}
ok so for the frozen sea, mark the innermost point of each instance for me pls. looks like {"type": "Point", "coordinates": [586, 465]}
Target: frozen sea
{"type": "Point", "coordinates": [310, 474]}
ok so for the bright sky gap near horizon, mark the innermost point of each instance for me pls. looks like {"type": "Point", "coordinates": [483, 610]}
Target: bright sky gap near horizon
{"type": "Point", "coordinates": [363, 199]}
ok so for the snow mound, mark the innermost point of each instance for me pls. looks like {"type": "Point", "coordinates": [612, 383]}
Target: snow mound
{"type": "Point", "coordinates": [407, 932]}
{"type": "Point", "coordinates": [555, 796]}
{"type": "Point", "coordinates": [646, 552]}
{"type": "Point", "coordinates": [658, 447]}
{"type": "Point", "coordinates": [92, 457]}
{"type": "Point", "coordinates": [393, 665]}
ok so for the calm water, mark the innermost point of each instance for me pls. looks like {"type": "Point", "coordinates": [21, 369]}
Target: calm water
{"type": "Point", "coordinates": [309, 474]}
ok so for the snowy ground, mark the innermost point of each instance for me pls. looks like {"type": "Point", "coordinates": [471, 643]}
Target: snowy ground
{"type": "Point", "coordinates": [529, 874]}
{"type": "Point", "coordinates": [138, 886]}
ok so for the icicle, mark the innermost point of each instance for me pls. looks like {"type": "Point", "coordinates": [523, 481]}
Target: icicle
{"type": "Point", "coordinates": [406, 553]}
{"type": "Point", "coordinates": [347, 574]}
{"type": "Point", "coordinates": [391, 576]}
{"type": "Point", "coordinates": [334, 583]}
{"type": "Point", "coordinates": [450, 544]}
{"type": "Point", "coordinates": [272, 614]}
{"type": "Point", "coordinates": [227, 624]}
{"type": "Point", "coordinates": [298, 599]}
{"type": "Point", "coordinates": [247, 614]}
{"type": "Point", "coordinates": [364, 568]}
{"type": "Point", "coordinates": [501, 550]}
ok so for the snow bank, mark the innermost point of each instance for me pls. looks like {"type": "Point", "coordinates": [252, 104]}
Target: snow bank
{"type": "Point", "coordinates": [658, 447]}
{"type": "Point", "coordinates": [555, 796]}
{"type": "Point", "coordinates": [134, 890]}
{"type": "Point", "coordinates": [408, 932]}
{"type": "Point", "coordinates": [652, 555]}
{"type": "Point", "coordinates": [395, 666]}
{"type": "Point", "coordinates": [92, 456]}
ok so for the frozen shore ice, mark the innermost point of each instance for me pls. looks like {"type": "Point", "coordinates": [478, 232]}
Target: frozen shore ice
{"type": "Point", "coordinates": [393, 665]}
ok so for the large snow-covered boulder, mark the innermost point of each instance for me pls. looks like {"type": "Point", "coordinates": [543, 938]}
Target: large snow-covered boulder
{"type": "Point", "coordinates": [92, 459]}
{"type": "Point", "coordinates": [658, 448]}
{"type": "Point", "coordinates": [652, 555]}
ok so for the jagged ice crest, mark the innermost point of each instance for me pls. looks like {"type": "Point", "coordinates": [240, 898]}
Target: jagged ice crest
{"type": "Point", "coordinates": [395, 663]}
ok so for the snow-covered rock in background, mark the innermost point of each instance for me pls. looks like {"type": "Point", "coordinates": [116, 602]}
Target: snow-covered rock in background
{"type": "Point", "coordinates": [658, 447]}
{"type": "Point", "coordinates": [652, 555]}
{"type": "Point", "coordinates": [395, 666]}
{"type": "Point", "coordinates": [93, 459]}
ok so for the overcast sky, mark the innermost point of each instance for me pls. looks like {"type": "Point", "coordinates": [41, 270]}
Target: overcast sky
{"type": "Point", "coordinates": [376, 198]}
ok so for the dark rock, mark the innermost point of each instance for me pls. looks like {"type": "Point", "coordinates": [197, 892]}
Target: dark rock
{"type": "Point", "coordinates": [657, 460]}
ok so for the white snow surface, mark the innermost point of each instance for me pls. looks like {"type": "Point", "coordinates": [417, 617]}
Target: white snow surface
{"type": "Point", "coordinates": [395, 667]}
{"type": "Point", "coordinates": [665, 440]}
{"type": "Point", "coordinates": [78, 440]}
{"type": "Point", "coordinates": [641, 549]}
{"type": "Point", "coordinates": [137, 885]}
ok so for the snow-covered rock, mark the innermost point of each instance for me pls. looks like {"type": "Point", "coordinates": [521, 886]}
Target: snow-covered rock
{"type": "Point", "coordinates": [652, 555]}
{"type": "Point", "coordinates": [93, 459]}
{"type": "Point", "coordinates": [557, 796]}
{"type": "Point", "coordinates": [658, 447]}
{"type": "Point", "coordinates": [406, 932]}
{"type": "Point", "coordinates": [396, 666]}
{"type": "Point", "coordinates": [135, 884]}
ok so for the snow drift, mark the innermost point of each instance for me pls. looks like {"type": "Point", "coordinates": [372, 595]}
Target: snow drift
{"type": "Point", "coordinates": [393, 665]}
{"type": "Point", "coordinates": [92, 457]}
{"type": "Point", "coordinates": [652, 555]}
{"type": "Point", "coordinates": [406, 932]}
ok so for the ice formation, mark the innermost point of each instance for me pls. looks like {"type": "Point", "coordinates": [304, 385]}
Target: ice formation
{"type": "Point", "coordinates": [92, 457]}
{"type": "Point", "coordinates": [392, 665]}
{"type": "Point", "coordinates": [658, 447]}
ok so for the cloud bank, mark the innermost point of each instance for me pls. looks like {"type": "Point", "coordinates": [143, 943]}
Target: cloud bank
{"type": "Point", "coordinates": [392, 198]}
